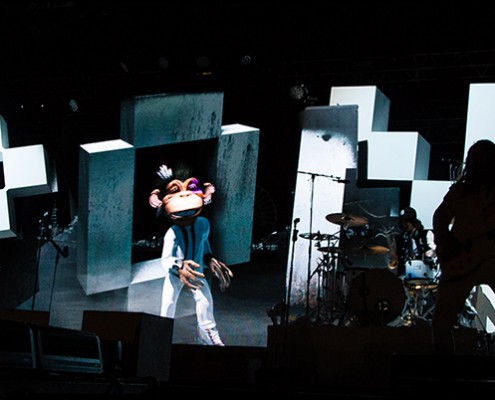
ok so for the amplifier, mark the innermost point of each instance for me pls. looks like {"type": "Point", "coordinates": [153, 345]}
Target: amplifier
{"type": "Point", "coordinates": [17, 345]}
{"type": "Point", "coordinates": [68, 350]}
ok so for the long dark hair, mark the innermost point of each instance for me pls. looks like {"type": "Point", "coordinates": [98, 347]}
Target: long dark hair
{"type": "Point", "coordinates": [479, 169]}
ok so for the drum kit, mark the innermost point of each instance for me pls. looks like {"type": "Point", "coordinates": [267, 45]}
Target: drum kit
{"type": "Point", "coordinates": [367, 296]}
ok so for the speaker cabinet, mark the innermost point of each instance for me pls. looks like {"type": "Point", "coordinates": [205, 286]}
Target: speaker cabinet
{"type": "Point", "coordinates": [68, 350]}
{"type": "Point", "coordinates": [135, 345]}
{"type": "Point", "coordinates": [17, 345]}
{"type": "Point", "coordinates": [29, 316]}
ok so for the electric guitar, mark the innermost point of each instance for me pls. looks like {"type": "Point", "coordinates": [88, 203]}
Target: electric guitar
{"type": "Point", "coordinates": [470, 254]}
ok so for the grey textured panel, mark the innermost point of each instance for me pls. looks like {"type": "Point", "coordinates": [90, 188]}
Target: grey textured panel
{"type": "Point", "coordinates": [232, 225]}
{"type": "Point", "coordinates": [106, 193]}
{"type": "Point", "coordinates": [161, 119]}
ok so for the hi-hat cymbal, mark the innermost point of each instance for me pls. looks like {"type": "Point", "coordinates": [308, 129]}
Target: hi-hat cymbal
{"type": "Point", "coordinates": [348, 220]}
{"type": "Point", "coordinates": [316, 236]}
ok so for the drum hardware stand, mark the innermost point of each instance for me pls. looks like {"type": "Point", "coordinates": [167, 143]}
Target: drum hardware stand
{"type": "Point", "coordinates": [311, 205]}
{"type": "Point", "coordinates": [313, 175]}
{"type": "Point", "coordinates": [321, 269]}
{"type": "Point", "coordinates": [413, 310]}
{"type": "Point", "coordinates": [328, 269]}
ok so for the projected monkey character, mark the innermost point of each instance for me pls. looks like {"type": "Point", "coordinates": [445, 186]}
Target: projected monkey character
{"type": "Point", "coordinates": [186, 249]}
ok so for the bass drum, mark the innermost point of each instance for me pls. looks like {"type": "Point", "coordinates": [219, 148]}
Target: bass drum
{"type": "Point", "coordinates": [376, 297]}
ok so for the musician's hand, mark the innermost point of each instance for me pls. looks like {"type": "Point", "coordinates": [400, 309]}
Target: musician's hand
{"type": "Point", "coordinates": [222, 272]}
{"type": "Point", "coordinates": [154, 200]}
{"type": "Point", "coordinates": [188, 276]}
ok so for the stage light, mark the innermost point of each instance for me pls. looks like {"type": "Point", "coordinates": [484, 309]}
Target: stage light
{"type": "Point", "coordinates": [203, 65]}
{"type": "Point", "coordinates": [123, 67]}
{"type": "Point", "coordinates": [299, 92]}
{"type": "Point", "coordinates": [246, 60]}
{"type": "Point", "coordinates": [73, 105]}
{"type": "Point", "coordinates": [163, 63]}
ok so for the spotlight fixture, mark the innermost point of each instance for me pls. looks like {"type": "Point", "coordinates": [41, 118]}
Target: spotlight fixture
{"type": "Point", "coordinates": [163, 63]}
{"type": "Point", "coordinates": [73, 105]}
{"type": "Point", "coordinates": [123, 67]}
{"type": "Point", "coordinates": [203, 65]}
{"type": "Point", "coordinates": [299, 92]}
{"type": "Point", "coordinates": [246, 60]}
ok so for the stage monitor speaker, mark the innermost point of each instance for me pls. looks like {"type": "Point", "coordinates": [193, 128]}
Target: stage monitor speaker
{"type": "Point", "coordinates": [30, 316]}
{"type": "Point", "coordinates": [17, 345]}
{"type": "Point", "coordinates": [68, 350]}
{"type": "Point", "coordinates": [139, 345]}
{"type": "Point", "coordinates": [443, 373]}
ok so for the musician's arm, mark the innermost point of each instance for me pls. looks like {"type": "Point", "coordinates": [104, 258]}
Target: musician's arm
{"type": "Point", "coordinates": [443, 217]}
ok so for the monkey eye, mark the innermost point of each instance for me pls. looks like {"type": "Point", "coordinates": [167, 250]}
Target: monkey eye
{"type": "Point", "coordinates": [193, 185]}
{"type": "Point", "coordinates": [173, 189]}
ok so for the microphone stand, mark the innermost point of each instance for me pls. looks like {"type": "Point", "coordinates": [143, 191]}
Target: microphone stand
{"type": "Point", "coordinates": [44, 237]}
{"type": "Point", "coordinates": [310, 247]}
{"type": "Point", "coordinates": [291, 269]}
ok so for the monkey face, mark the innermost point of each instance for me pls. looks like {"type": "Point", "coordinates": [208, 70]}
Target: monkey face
{"type": "Point", "coordinates": [183, 201]}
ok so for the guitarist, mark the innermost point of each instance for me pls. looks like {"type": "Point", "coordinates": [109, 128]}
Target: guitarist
{"type": "Point", "coordinates": [464, 231]}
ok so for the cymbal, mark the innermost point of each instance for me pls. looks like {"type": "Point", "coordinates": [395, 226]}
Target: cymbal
{"type": "Point", "coordinates": [376, 249]}
{"type": "Point", "coordinates": [329, 249]}
{"type": "Point", "coordinates": [316, 236]}
{"type": "Point", "coordinates": [371, 250]}
{"type": "Point", "coordinates": [346, 219]}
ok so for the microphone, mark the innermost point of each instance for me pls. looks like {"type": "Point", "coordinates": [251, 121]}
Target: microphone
{"type": "Point", "coordinates": [343, 181]}
{"type": "Point", "coordinates": [451, 161]}
{"type": "Point", "coordinates": [295, 231]}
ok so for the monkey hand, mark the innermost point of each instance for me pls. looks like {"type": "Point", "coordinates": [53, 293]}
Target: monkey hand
{"type": "Point", "coordinates": [222, 272]}
{"type": "Point", "coordinates": [208, 191]}
{"type": "Point", "coordinates": [188, 275]}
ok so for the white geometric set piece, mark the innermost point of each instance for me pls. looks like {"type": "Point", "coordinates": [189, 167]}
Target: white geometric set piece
{"type": "Point", "coordinates": [404, 156]}
{"type": "Point", "coordinates": [393, 156]}
{"type": "Point", "coordinates": [27, 172]}
{"type": "Point", "coordinates": [398, 156]}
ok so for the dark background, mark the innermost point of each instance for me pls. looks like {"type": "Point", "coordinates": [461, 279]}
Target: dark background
{"type": "Point", "coordinates": [422, 57]}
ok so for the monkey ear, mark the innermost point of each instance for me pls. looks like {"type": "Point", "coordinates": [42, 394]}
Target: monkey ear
{"type": "Point", "coordinates": [164, 172]}
{"type": "Point", "coordinates": [208, 191]}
